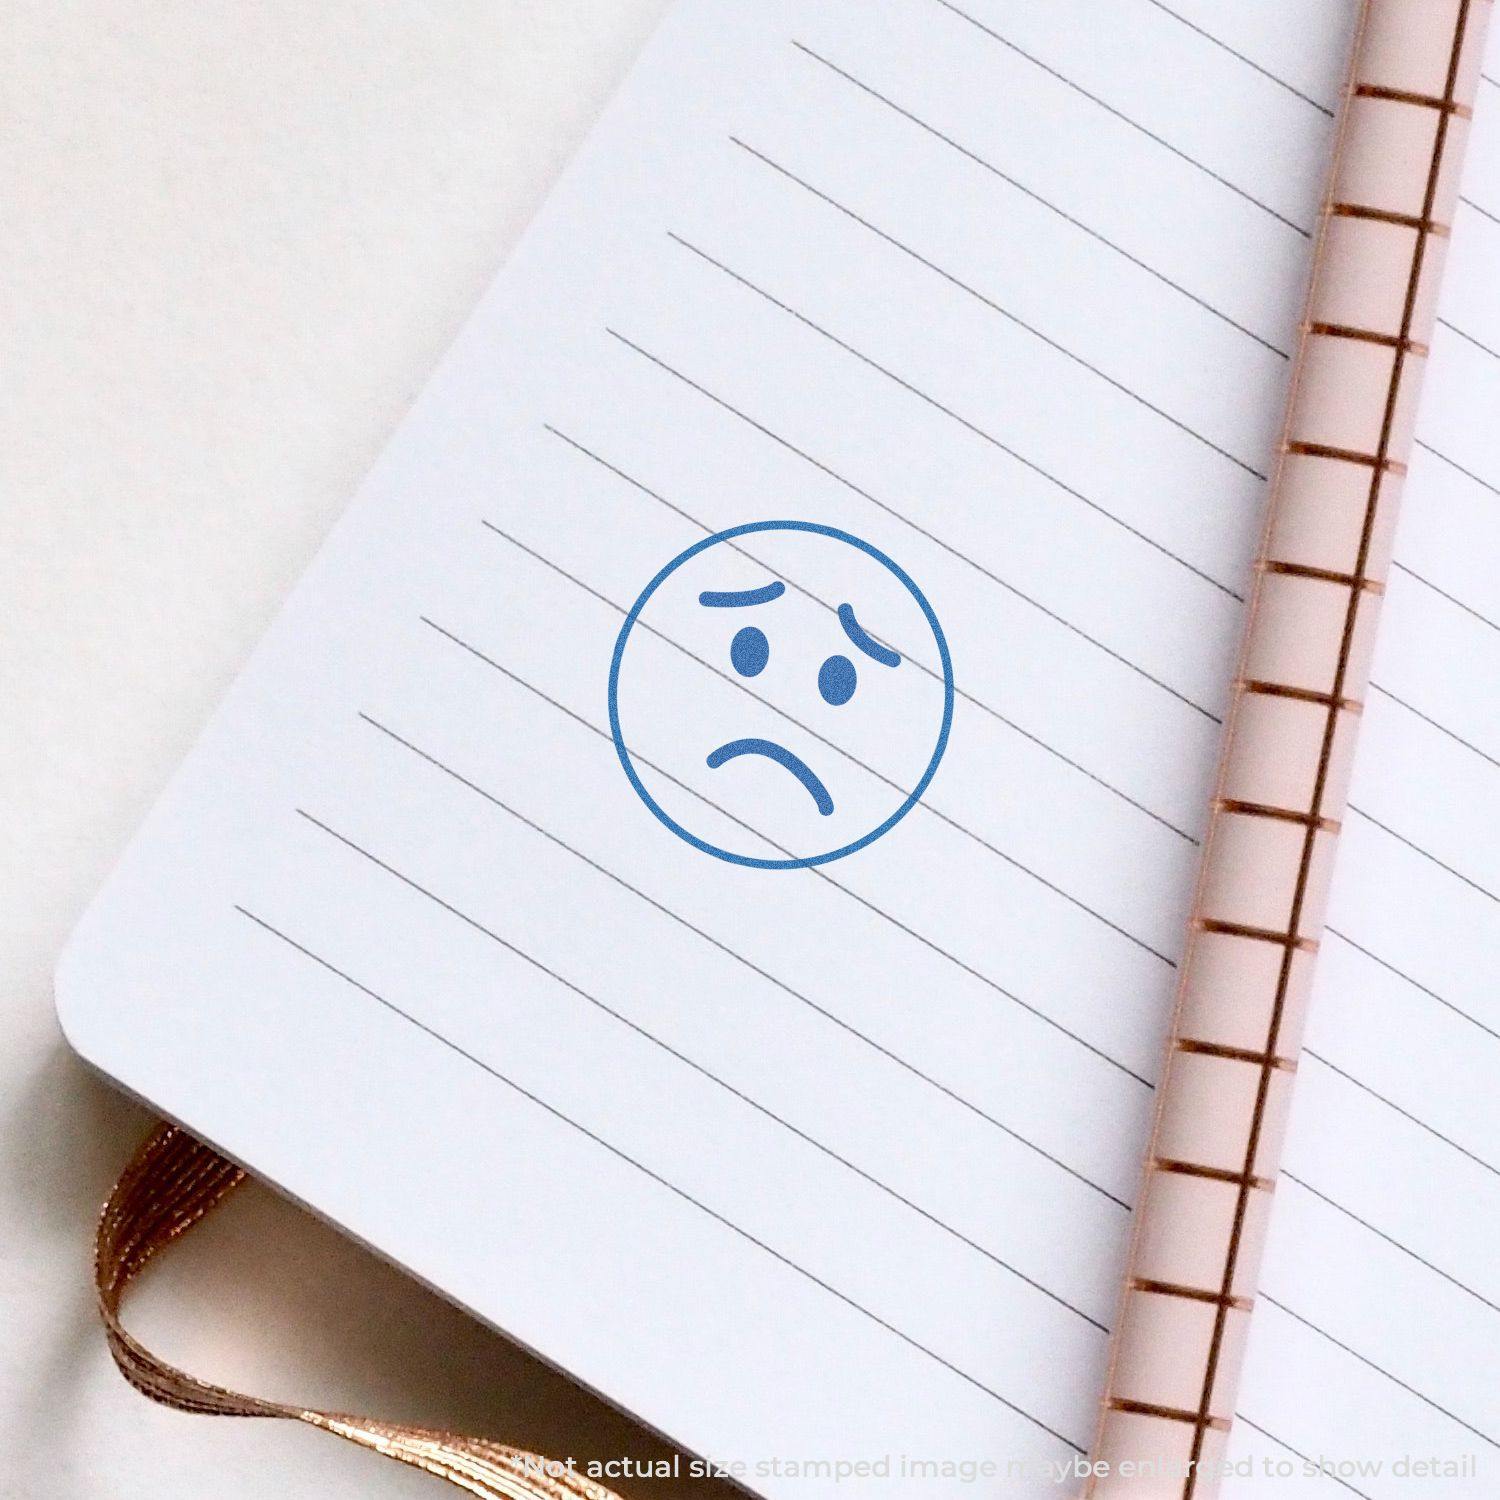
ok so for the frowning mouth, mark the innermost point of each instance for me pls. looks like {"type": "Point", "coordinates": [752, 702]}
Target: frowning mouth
{"type": "Point", "coordinates": [783, 757]}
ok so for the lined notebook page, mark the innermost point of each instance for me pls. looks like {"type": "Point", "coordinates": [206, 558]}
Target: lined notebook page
{"type": "Point", "coordinates": [1377, 1333]}
{"type": "Point", "coordinates": [801, 1163]}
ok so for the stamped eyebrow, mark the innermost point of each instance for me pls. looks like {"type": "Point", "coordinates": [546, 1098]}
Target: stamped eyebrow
{"type": "Point", "coordinates": [741, 598]}
{"type": "Point", "coordinates": [866, 643]}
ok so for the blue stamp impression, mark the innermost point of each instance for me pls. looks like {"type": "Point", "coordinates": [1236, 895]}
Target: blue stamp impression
{"type": "Point", "coordinates": [781, 694]}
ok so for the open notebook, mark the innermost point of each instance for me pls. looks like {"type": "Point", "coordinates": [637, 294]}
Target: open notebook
{"type": "Point", "coordinates": [737, 966]}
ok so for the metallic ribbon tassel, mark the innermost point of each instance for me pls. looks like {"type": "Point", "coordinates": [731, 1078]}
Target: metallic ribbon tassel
{"type": "Point", "coordinates": [173, 1182]}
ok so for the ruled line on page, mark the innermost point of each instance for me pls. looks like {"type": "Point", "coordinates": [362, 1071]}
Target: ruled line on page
{"type": "Point", "coordinates": [1480, 209]}
{"type": "Point", "coordinates": [816, 871]}
{"type": "Point", "coordinates": [1239, 1416]}
{"type": "Point", "coordinates": [791, 583]}
{"type": "Point", "coordinates": [985, 300]}
{"type": "Point", "coordinates": [1119, 114]}
{"type": "Point", "coordinates": [933, 537]}
{"type": "Point", "coordinates": [1455, 465]}
{"type": "Point", "coordinates": [1370, 1364]}
{"type": "Point", "coordinates": [1249, 62]}
{"type": "Point", "coordinates": [1468, 338]}
{"type": "Point", "coordinates": [1405, 1114]}
{"type": "Point", "coordinates": [1020, 187]}
{"type": "Point", "coordinates": [1389, 1239]}
{"type": "Point", "coordinates": [1426, 854]}
{"type": "Point", "coordinates": [1428, 719]}
{"type": "Point", "coordinates": [926, 805]}
{"type": "Point", "coordinates": [656, 1177]}
{"type": "Point", "coordinates": [762, 973]}
{"type": "Point", "coordinates": [1416, 984]}
{"type": "Point", "coordinates": [1453, 599]}
{"type": "Point", "coordinates": [937, 405]}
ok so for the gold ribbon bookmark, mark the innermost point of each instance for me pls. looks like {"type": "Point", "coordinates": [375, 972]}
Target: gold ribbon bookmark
{"type": "Point", "coordinates": [174, 1181]}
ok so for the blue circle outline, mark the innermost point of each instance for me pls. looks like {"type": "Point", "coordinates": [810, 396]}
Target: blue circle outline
{"type": "Point", "coordinates": [633, 615]}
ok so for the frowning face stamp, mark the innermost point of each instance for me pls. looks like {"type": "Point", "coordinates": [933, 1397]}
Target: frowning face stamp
{"type": "Point", "coordinates": [781, 694]}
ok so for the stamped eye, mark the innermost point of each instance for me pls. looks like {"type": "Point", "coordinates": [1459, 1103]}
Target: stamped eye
{"type": "Point", "coordinates": [749, 651]}
{"type": "Point", "coordinates": [837, 680]}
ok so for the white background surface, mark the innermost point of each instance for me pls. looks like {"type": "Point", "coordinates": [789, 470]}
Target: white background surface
{"type": "Point", "coordinates": [238, 237]}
